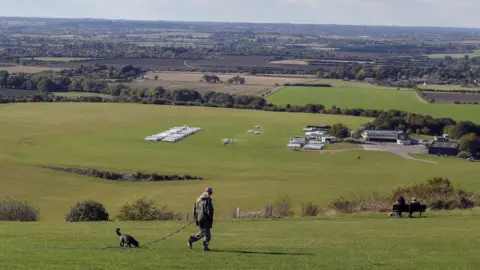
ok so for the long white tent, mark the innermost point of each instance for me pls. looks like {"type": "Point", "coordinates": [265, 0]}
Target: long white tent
{"type": "Point", "coordinates": [173, 134]}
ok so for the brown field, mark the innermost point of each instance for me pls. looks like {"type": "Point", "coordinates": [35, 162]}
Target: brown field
{"type": "Point", "coordinates": [450, 98]}
{"type": "Point", "coordinates": [27, 69]}
{"type": "Point", "coordinates": [255, 85]}
{"type": "Point", "coordinates": [449, 87]}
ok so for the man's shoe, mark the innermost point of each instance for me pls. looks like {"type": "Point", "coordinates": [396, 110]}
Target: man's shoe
{"type": "Point", "coordinates": [190, 243]}
{"type": "Point", "coordinates": [205, 247]}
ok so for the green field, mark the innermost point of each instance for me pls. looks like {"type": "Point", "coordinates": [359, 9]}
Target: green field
{"type": "Point", "coordinates": [252, 173]}
{"type": "Point", "coordinates": [81, 94]}
{"type": "Point", "coordinates": [372, 99]}
{"type": "Point", "coordinates": [255, 171]}
{"type": "Point", "coordinates": [60, 59]}
{"type": "Point", "coordinates": [358, 242]}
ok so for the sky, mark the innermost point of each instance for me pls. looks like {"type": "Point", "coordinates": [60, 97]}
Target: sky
{"type": "Point", "coordinates": [456, 13]}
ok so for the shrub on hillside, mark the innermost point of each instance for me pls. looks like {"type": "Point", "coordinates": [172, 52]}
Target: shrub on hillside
{"type": "Point", "coordinates": [464, 154]}
{"type": "Point", "coordinates": [437, 194]}
{"type": "Point", "coordinates": [310, 210]}
{"type": "Point", "coordinates": [283, 207]}
{"type": "Point", "coordinates": [361, 203]}
{"type": "Point", "coordinates": [146, 210]}
{"type": "Point", "coordinates": [87, 211]}
{"type": "Point", "coordinates": [13, 210]}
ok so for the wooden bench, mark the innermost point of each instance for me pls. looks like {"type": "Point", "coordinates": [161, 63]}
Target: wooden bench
{"type": "Point", "coordinates": [420, 208]}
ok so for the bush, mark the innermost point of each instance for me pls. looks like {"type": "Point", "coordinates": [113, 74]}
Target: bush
{"type": "Point", "coordinates": [361, 203]}
{"type": "Point", "coordinates": [310, 210]}
{"type": "Point", "coordinates": [437, 194]}
{"type": "Point", "coordinates": [464, 155]}
{"type": "Point", "coordinates": [12, 210]}
{"type": "Point", "coordinates": [343, 205]}
{"type": "Point", "coordinates": [146, 210]}
{"type": "Point", "coordinates": [283, 207]}
{"type": "Point", "coordinates": [87, 211]}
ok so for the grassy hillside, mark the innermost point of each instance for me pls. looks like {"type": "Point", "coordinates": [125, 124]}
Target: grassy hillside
{"type": "Point", "coordinates": [372, 99]}
{"type": "Point", "coordinates": [252, 173]}
{"type": "Point", "coordinates": [356, 242]}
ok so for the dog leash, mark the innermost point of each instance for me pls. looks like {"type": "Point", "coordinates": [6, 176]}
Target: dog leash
{"type": "Point", "coordinates": [170, 235]}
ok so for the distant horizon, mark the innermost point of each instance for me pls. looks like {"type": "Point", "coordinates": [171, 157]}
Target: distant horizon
{"type": "Point", "coordinates": [406, 13]}
{"type": "Point", "coordinates": [236, 22]}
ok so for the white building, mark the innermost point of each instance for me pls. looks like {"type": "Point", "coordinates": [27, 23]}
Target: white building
{"type": "Point", "coordinates": [314, 145]}
{"type": "Point", "coordinates": [329, 139]}
{"type": "Point", "coordinates": [382, 135]}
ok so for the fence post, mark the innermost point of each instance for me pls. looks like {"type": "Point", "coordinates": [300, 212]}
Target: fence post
{"type": "Point", "coordinates": [238, 212]}
{"type": "Point", "coordinates": [187, 216]}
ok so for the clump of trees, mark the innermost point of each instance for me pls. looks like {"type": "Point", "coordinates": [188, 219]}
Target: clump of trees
{"type": "Point", "coordinates": [211, 78]}
{"type": "Point", "coordinates": [236, 80]}
{"type": "Point", "coordinates": [83, 79]}
{"type": "Point", "coordinates": [410, 123]}
{"type": "Point", "coordinates": [339, 130]}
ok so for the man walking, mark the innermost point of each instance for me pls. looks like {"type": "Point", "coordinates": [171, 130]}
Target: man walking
{"type": "Point", "coordinates": [203, 216]}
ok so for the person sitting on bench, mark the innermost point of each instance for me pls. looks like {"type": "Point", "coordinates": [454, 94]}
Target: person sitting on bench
{"type": "Point", "coordinates": [414, 204]}
{"type": "Point", "coordinates": [400, 204]}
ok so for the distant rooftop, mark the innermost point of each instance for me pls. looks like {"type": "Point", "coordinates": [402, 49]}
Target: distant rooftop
{"type": "Point", "coordinates": [383, 132]}
{"type": "Point", "coordinates": [453, 145]}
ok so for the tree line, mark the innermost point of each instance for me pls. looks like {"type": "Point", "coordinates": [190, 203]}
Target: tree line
{"type": "Point", "coordinates": [466, 69]}
{"type": "Point", "coordinates": [83, 79]}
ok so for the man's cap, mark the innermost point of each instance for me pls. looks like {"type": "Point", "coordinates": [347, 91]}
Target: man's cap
{"type": "Point", "coordinates": [209, 190]}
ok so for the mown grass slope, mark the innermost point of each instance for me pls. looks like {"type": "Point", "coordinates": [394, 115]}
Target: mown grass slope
{"type": "Point", "coordinates": [254, 172]}
{"type": "Point", "coordinates": [438, 241]}
{"type": "Point", "coordinates": [372, 99]}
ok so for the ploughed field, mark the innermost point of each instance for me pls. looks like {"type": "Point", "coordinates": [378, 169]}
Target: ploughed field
{"type": "Point", "coordinates": [451, 98]}
{"type": "Point", "coordinates": [367, 98]}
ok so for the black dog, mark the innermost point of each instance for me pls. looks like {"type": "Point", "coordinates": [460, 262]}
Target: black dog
{"type": "Point", "coordinates": [126, 239]}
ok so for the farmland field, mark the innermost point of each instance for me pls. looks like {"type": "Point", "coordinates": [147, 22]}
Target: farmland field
{"type": "Point", "coordinates": [453, 55]}
{"type": "Point", "coordinates": [449, 87]}
{"type": "Point", "coordinates": [372, 99]}
{"type": "Point", "coordinates": [254, 85]}
{"type": "Point", "coordinates": [226, 63]}
{"type": "Point", "coordinates": [61, 59]}
{"type": "Point", "coordinates": [27, 69]}
{"type": "Point", "coordinates": [450, 98]}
